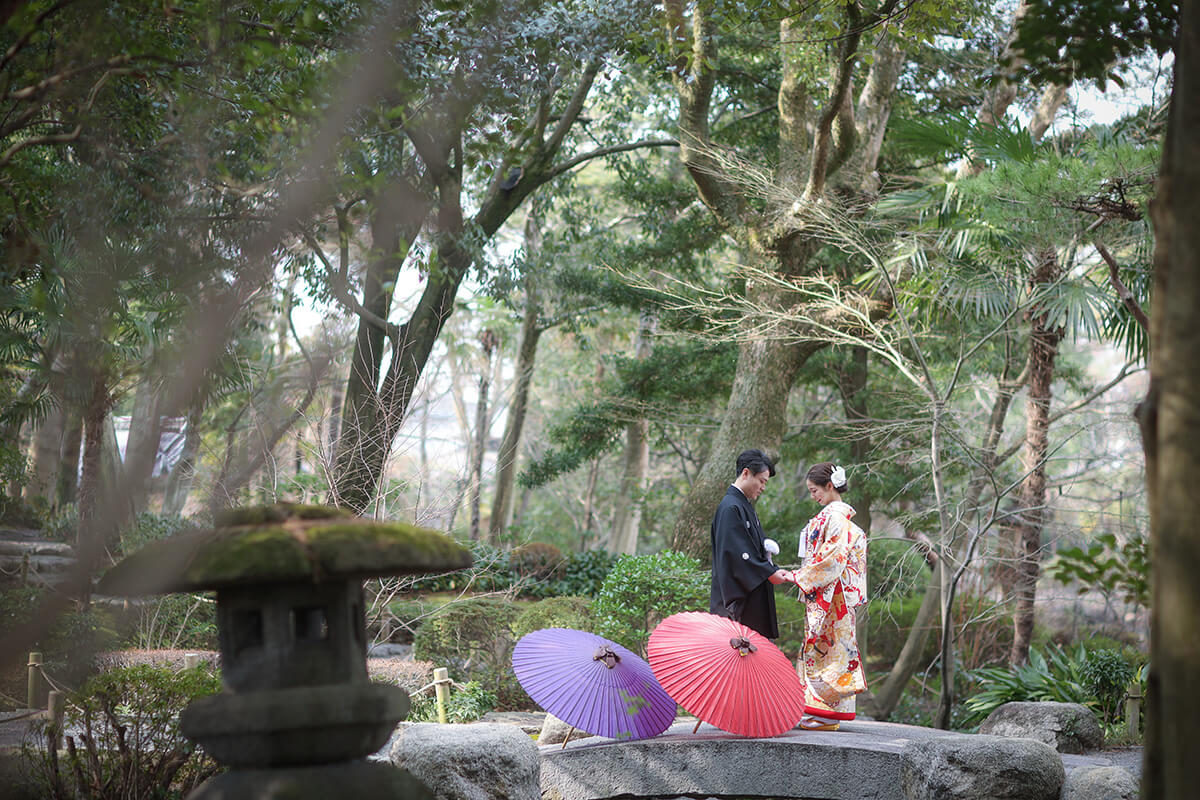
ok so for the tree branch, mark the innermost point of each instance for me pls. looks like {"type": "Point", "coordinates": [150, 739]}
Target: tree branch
{"type": "Point", "coordinates": [1083, 401]}
{"type": "Point", "coordinates": [341, 291]}
{"type": "Point", "coordinates": [574, 106]}
{"type": "Point", "coordinates": [838, 97]}
{"type": "Point", "coordinates": [34, 141]}
{"type": "Point", "coordinates": [607, 151]}
{"type": "Point", "coordinates": [1126, 296]}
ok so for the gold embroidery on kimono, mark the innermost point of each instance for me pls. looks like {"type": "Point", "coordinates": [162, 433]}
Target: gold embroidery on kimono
{"type": "Point", "coordinates": [833, 582]}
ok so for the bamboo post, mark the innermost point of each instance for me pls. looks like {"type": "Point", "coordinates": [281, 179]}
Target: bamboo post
{"type": "Point", "coordinates": [441, 688]}
{"type": "Point", "coordinates": [54, 702]}
{"type": "Point", "coordinates": [32, 688]}
{"type": "Point", "coordinates": [1133, 709]}
{"type": "Point", "coordinates": [25, 569]}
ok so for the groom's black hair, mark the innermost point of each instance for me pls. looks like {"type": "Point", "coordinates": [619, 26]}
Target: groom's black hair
{"type": "Point", "coordinates": [756, 461]}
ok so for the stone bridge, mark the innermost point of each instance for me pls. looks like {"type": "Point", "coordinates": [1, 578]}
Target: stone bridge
{"type": "Point", "coordinates": [862, 761]}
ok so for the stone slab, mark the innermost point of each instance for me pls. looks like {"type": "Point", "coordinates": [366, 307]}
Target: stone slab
{"type": "Point", "coordinates": [859, 762]}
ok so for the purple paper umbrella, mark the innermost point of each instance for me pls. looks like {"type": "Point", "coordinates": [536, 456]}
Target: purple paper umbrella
{"type": "Point", "coordinates": [594, 684]}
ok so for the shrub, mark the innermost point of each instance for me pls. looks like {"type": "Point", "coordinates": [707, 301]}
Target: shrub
{"type": "Point", "coordinates": [473, 640]}
{"type": "Point", "coordinates": [554, 612]}
{"type": "Point", "coordinates": [1106, 674]}
{"type": "Point", "coordinates": [149, 527]}
{"type": "Point", "coordinates": [128, 744]}
{"type": "Point", "coordinates": [411, 676]}
{"type": "Point", "coordinates": [490, 571]}
{"type": "Point", "coordinates": [467, 703]}
{"type": "Point", "coordinates": [640, 591]}
{"type": "Point", "coordinates": [403, 617]}
{"type": "Point", "coordinates": [176, 621]}
{"type": "Point", "coordinates": [537, 561]}
{"type": "Point", "coordinates": [70, 645]}
{"type": "Point", "coordinates": [585, 573]}
{"type": "Point", "coordinates": [1055, 675]}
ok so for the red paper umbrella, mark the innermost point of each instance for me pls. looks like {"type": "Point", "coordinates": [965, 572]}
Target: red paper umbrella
{"type": "Point", "coordinates": [726, 674]}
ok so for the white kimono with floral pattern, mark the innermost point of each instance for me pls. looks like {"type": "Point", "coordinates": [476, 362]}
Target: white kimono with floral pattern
{"type": "Point", "coordinates": [833, 581]}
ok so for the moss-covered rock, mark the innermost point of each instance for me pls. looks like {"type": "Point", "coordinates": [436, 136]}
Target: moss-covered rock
{"type": "Point", "coordinates": [283, 543]}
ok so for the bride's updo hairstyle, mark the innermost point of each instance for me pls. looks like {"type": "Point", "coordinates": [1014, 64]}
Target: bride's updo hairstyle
{"type": "Point", "coordinates": [827, 472]}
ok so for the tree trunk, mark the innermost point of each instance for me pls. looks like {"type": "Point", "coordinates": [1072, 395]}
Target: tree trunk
{"type": "Point", "coordinates": [756, 413]}
{"type": "Point", "coordinates": [589, 503]}
{"type": "Point", "coordinates": [142, 445]}
{"type": "Point", "coordinates": [67, 489]}
{"type": "Point", "coordinates": [333, 421]}
{"type": "Point", "coordinates": [490, 343]}
{"type": "Point", "coordinates": [360, 462]}
{"type": "Point", "coordinates": [179, 482]}
{"type": "Point", "coordinates": [1043, 349]}
{"type": "Point", "coordinates": [1170, 419]}
{"type": "Point", "coordinates": [48, 440]}
{"type": "Point", "coordinates": [756, 416]}
{"type": "Point", "coordinates": [506, 458]}
{"type": "Point", "coordinates": [885, 700]}
{"type": "Point", "coordinates": [636, 460]}
{"type": "Point", "coordinates": [358, 442]}
{"type": "Point", "coordinates": [98, 503]}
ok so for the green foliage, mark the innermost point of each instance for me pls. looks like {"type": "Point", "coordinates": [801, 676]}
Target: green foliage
{"type": "Point", "coordinates": [1107, 675]}
{"type": "Point", "coordinates": [585, 573]}
{"type": "Point", "coordinates": [1066, 40]}
{"type": "Point", "coordinates": [174, 621]}
{"type": "Point", "coordinates": [674, 378]}
{"type": "Point", "coordinates": [149, 527]}
{"type": "Point", "coordinates": [490, 571]}
{"type": "Point", "coordinates": [1054, 675]}
{"type": "Point", "coordinates": [123, 731]}
{"type": "Point", "coordinates": [494, 569]}
{"type": "Point", "coordinates": [641, 591]}
{"type": "Point", "coordinates": [1108, 567]}
{"type": "Point", "coordinates": [468, 702]}
{"type": "Point", "coordinates": [473, 639]}
{"type": "Point", "coordinates": [405, 615]}
{"type": "Point", "coordinates": [554, 612]}
{"type": "Point", "coordinates": [70, 645]}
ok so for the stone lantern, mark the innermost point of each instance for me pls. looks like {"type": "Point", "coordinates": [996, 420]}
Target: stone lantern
{"type": "Point", "coordinates": [297, 715]}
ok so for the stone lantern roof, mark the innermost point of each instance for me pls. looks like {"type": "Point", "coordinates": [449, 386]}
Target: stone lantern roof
{"type": "Point", "coordinates": [283, 543]}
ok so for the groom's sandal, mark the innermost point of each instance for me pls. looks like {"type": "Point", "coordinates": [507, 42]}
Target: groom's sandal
{"type": "Point", "coordinates": [808, 723]}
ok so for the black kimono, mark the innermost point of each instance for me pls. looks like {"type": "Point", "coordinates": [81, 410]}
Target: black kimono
{"type": "Point", "coordinates": [740, 567]}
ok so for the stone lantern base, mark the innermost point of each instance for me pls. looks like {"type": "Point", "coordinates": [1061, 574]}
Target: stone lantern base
{"type": "Point", "coordinates": [357, 779]}
{"type": "Point", "coordinates": [303, 725]}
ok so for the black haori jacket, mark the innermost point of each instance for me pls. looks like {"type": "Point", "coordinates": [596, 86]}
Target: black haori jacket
{"type": "Point", "coordinates": [740, 567]}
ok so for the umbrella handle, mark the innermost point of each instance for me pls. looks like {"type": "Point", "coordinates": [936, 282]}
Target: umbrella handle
{"type": "Point", "coordinates": [567, 738]}
{"type": "Point", "coordinates": [697, 725]}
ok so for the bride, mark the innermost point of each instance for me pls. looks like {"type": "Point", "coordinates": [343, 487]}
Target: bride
{"type": "Point", "coordinates": [833, 582]}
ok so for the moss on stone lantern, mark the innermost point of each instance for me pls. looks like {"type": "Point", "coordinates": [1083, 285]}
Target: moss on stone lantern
{"type": "Point", "coordinates": [291, 624]}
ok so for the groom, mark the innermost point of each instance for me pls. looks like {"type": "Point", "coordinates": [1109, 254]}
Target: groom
{"type": "Point", "coordinates": [742, 572]}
